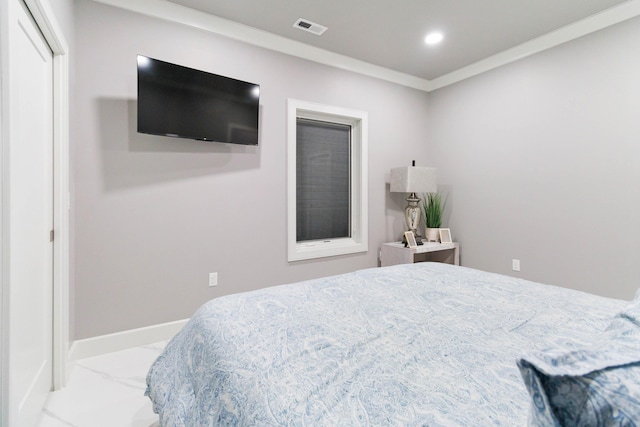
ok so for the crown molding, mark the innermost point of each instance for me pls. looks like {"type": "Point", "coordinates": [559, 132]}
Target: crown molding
{"type": "Point", "coordinates": [167, 11]}
{"type": "Point", "coordinates": [591, 24]}
{"type": "Point", "coordinates": [172, 12]}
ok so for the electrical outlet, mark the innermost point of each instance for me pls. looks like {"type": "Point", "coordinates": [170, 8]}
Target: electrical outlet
{"type": "Point", "coordinates": [213, 279]}
{"type": "Point", "coordinates": [515, 264]}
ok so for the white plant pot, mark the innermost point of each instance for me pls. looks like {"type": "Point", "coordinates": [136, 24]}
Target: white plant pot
{"type": "Point", "coordinates": [432, 234]}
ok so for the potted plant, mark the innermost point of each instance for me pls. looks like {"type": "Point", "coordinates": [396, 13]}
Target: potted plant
{"type": "Point", "coordinates": [433, 208]}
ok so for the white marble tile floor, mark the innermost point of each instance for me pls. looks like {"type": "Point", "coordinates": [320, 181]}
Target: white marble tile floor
{"type": "Point", "coordinates": [105, 391]}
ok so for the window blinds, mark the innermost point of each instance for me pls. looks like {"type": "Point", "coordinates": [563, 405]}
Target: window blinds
{"type": "Point", "coordinates": [323, 173]}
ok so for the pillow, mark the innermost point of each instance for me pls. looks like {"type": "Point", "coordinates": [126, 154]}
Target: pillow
{"type": "Point", "coordinates": [597, 385]}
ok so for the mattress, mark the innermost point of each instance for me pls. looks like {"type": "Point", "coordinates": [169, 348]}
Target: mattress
{"type": "Point", "coordinates": [424, 344]}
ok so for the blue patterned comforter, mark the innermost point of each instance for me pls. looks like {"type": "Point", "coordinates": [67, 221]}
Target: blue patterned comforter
{"type": "Point", "coordinates": [425, 344]}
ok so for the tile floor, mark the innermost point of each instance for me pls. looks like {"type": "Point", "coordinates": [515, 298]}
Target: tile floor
{"type": "Point", "coordinates": [105, 391]}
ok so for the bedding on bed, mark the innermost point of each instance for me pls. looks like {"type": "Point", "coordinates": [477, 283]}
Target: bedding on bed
{"type": "Point", "coordinates": [594, 385]}
{"type": "Point", "coordinates": [410, 345]}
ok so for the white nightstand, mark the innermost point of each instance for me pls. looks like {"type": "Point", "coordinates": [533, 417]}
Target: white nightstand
{"type": "Point", "coordinates": [395, 253]}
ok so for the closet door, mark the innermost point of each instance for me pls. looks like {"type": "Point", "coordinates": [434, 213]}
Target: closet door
{"type": "Point", "coordinates": [30, 216]}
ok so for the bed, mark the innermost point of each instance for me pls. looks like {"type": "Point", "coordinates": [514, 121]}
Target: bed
{"type": "Point", "coordinates": [424, 344]}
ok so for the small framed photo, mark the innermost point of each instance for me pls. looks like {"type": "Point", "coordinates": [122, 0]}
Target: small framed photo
{"type": "Point", "coordinates": [411, 239]}
{"type": "Point", "coordinates": [445, 235]}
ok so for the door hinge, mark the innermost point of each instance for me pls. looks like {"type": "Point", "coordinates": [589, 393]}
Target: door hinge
{"type": "Point", "coordinates": [51, 235]}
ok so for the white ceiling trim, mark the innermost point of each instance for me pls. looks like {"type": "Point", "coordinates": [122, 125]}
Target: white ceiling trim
{"type": "Point", "coordinates": [591, 24]}
{"type": "Point", "coordinates": [172, 12]}
{"type": "Point", "coordinates": [183, 15]}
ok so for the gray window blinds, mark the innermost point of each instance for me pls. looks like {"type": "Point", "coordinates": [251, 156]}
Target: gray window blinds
{"type": "Point", "coordinates": [323, 175]}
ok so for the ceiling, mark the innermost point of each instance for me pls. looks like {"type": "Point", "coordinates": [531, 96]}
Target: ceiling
{"type": "Point", "coordinates": [390, 33]}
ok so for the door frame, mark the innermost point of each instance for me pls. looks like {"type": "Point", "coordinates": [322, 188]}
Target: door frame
{"type": "Point", "coordinates": [48, 25]}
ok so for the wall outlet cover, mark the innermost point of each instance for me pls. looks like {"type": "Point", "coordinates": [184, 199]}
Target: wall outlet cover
{"type": "Point", "coordinates": [213, 279]}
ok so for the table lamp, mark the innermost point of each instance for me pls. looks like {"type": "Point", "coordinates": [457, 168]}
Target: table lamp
{"type": "Point", "coordinates": [413, 179]}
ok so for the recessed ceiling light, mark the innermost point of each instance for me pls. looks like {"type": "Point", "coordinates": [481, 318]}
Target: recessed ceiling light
{"type": "Point", "coordinates": [433, 38]}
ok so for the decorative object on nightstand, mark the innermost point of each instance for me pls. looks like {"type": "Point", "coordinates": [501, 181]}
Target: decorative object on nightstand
{"type": "Point", "coordinates": [413, 179]}
{"type": "Point", "coordinates": [410, 239]}
{"type": "Point", "coordinates": [445, 235]}
{"type": "Point", "coordinates": [433, 208]}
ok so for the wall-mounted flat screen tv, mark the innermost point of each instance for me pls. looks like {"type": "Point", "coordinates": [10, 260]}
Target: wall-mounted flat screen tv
{"type": "Point", "coordinates": [186, 103]}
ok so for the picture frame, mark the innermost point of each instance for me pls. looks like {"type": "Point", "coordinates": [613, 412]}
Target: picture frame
{"type": "Point", "coordinates": [411, 239]}
{"type": "Point", "coordinates": [445, 235]}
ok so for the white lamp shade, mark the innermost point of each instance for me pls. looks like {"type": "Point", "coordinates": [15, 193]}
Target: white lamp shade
{"type": "Point", "coordinates": [413, 179]}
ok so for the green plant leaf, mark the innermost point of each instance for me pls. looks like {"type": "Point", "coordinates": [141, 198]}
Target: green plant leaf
{"type": "Point", "coordinates": [433, 208]}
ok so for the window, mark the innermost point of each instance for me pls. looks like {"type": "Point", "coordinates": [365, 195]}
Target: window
{"type": "Point", "coordinates": [327, 181]}
{"type": "Point", "coordinates": [323, 178]}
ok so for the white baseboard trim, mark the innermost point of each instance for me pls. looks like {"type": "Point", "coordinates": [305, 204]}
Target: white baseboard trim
{"type": "Point", "coordinates": [96, 346]}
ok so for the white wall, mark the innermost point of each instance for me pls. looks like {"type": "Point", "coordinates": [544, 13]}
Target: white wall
{"type": "Point", "coordinates": [155, 215]}
{"type": "Point", "coordinates": [542, 161]}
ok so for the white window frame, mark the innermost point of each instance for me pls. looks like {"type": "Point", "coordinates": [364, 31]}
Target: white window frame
{"type": "Point", "coordinates": [359, 240]}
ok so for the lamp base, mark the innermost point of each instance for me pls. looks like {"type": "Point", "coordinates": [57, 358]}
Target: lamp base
{"type": "Point", "coordinates": [412, 215]}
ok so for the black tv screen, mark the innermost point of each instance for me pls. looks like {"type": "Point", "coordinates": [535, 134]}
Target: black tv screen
{"type": "Point", "coordinates": [186, 103]}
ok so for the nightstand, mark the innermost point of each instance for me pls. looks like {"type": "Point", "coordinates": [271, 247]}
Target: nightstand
{"type": "Point", "coordinates": [395, 253]}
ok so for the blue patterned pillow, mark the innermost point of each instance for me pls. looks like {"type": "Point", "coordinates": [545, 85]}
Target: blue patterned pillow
{"type": "Point", "coordinates": [594, 386]}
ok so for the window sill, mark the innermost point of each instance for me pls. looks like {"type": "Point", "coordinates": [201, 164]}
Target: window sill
{"type": "Point", "coordinates": [321, 249]}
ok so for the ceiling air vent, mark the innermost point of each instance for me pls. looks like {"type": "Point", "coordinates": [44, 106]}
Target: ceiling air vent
{"type": "Point", "coordinates": [312, 27]}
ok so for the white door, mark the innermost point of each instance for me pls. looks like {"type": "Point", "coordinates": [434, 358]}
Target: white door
{"type": "Point", "coordinates": [30, 120]}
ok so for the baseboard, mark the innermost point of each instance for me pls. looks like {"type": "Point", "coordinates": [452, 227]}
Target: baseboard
{"type": "Point", "coordinates": [96, 346]}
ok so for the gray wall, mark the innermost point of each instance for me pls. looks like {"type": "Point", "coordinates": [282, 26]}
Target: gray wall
{"type": "Point", "coordinates": [63, 10]}
{"type": "Point", "coordinates": [539, 157]}
{"type": "Point", "coordinates": [153, 215]}
{"type": "Point", "coordinates": [542, 161]}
